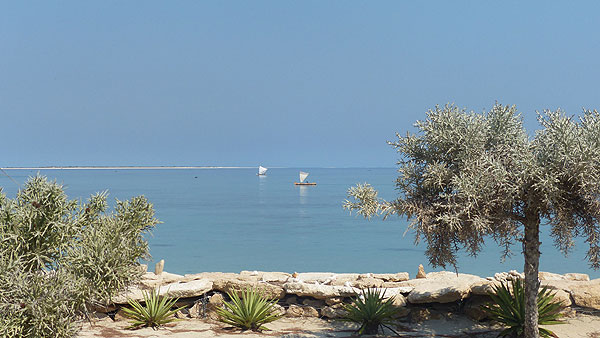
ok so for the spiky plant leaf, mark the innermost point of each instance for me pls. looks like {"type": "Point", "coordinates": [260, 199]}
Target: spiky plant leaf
{"type": "Point", "coordinates": [157, 311]}
{"type": "Point", "coordinates": [249, 312]}
{"type": "Point", "coordinates": [371, 311]}
{"type": "Point", "coordinates": [508, 308]}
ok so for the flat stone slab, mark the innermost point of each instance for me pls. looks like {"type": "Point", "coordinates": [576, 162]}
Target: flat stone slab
{"type": "Point", "coordinates": [271, 277]}
{"type": "Point", "coordinates": [442, 287]}
{"type": "Point", "coordinates": [270, 291]}
{"type": "Point", "coordinates": [319, 291]}
{"type": "Point", "coordinates": [150, 280]}
{"type": "Point", "coordinates": [216, 275]}
{"type": "Point", "coordinates": [587, 294]}
{"type": "Point", "coordinates": [193, 288]}
{"type": "Point", "coordinates": [392, 277]}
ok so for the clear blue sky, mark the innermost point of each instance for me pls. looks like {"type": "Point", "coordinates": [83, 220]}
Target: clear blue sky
{"type": "Point", "coordinates": [278, 83]}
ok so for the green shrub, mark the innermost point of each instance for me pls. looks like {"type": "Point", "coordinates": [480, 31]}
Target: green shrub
{"type": "Point", "coordinates": [109, 247]}
{"type": "Point", "coordinates": [156, 311]}
{"type": "Point", "coordinates": [58, 255]}
{"type": "Point", "coordinates": [36, 304]}
{"type": "Point", "coordinates": [249, 312]}
{"type": "Point", "coordinates": [508, 308]}
{"type": "Point", "coordinates": [371, 311]}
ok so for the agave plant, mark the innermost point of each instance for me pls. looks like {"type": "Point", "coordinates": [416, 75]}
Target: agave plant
{"type": "Point", "coordinates": [508, 308]}
{"type": "Point", "coordinates": [157, 311]}
{"type": "Point", "coordinates": [371, 310]}
{"type": "Point", "coordinates": [249, 312]}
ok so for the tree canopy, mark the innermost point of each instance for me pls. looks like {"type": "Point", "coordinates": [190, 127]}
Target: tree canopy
{"type": "Point", "coordinates": [466, 176]}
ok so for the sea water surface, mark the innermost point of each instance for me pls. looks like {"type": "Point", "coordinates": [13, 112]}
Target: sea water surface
{"type": "Point", "coordinates": [231, 220]}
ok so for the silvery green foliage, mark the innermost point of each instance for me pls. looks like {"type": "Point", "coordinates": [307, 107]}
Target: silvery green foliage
{"type": "Point", "coordinates": [36, 303]}
{"type": "Point", "coordinates": [39, 224]}
{"type": "Point", "coordinates": [57, 256]}
{"type": "Point", "coordinates": [466, 176]}
{"type": "Point", "coordinates": [109, 246]}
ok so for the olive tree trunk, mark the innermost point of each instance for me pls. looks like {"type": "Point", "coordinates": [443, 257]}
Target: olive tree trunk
{"type": "Point", "coordinates": [531, 248]}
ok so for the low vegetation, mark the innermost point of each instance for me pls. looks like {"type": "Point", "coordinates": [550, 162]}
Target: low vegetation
{"type": "Point", "coordinates": [508, 308]}
{"type": "Point", "coordinates": [250, 311]}
{"type": "Point", "coordinates": [371, 311]}
{"type": "Point", "coordinates": [157, 311]}
{"type": "Point", "coordinates": [58, 256]}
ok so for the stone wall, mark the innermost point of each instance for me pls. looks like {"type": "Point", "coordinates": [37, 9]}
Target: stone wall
{"type": "Point", "coordinates": [322, 294]}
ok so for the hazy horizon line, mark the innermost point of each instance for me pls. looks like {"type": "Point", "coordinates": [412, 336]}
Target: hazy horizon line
{"type": "Point", "coordinates": [75, 167]}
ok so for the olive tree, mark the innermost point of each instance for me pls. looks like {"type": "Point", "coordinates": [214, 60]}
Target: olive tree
{"type": "Point", "coordinates": [466, 177]}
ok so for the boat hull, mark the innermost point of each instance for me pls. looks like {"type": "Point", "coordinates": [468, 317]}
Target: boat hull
{"type": "Point", "coordinates": [301, 183]}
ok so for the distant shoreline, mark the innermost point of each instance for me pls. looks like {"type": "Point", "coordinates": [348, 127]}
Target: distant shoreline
{"type": "Point", "coordinates": [119, 167]}
{"type": "Point", "coordinates": [168, 167]}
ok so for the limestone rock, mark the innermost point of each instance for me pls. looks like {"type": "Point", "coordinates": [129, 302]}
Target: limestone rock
{"type": "Point", "coordinates": [270, 291]}
{"type": "Point", "coordinates": [367, 283]}
{"type": "Point", "coordinates": [214, 276]}
{"type": "Point", "coordinates": [577, 277]}
{"type": "Point", "coordinates": [563, 297]}
{"type": "Point", "coordinates": [150, 280]}
{"type": "Point", "coordinates": [319, 291]}
{"type": "Point", "coordinates": [569, 276]}
{"type": "Point", "coordinates": [390, 292]}
{"type": "Point", "coordinates": [421, 272]}
{"type": "Point", "coordinates": [310, 311]}
{"type": "Point", "coordinates": [399, 300]}
{"type": "Point", "coordinates": [215, 301]}
{"type": "Point", "coordinates": [333, 312]}
{"type": "Point", "coordinates": [294, 311]}
{"type": "Point", "coordinates": [507, 276]}
{"type": "Point", "coordinates": [195, 311]}
{"type": "Point", "coordinates": [278, 309]}
{"type": "Point", "coordinates": [185, 290]}
{"type": "Point", "coordinates": [484, 287]}
{"type": "Point", "coordinates": [334, 300]}
{"type": "Point", "coordinates": [327, 278]}
{"type": "Point", "coordinates": [587, 294]}
{"type": "Point", "coordinates": [174, 290]}
{"type": "Point", "coordinates": [278, 277]}
{"type": "Point", "coordinates": [392, 277]}
{"type": "Point", "coordinates": [158, 268]}
{"type": "Point", "coordinates": [442, 287]}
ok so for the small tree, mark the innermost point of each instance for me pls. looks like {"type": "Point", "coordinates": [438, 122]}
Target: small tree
{"type": "Point", "coordinates": [468, 176]}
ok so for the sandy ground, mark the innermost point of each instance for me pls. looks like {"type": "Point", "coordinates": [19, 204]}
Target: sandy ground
{"type": "Point", "coordinates": [581, 326]}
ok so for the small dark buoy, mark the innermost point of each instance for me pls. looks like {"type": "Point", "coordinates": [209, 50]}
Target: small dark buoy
{"type": "Point", "coordinates": [195, 176]}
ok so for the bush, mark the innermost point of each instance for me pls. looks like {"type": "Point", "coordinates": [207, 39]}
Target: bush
{"type": "Point", "coordinates": [508, 308]}
{"type": "Point", "coordinates": [36, 304]}
{"type": "Point", "coordinates": [57, 256]}
{"type": "Point", "coordinates": [371, 311]}
{"type": "Point", "coordinates": [249, 312]}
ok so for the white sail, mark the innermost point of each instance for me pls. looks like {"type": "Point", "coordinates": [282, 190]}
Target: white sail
{"type": "Point", "coordinates": [303, 176]}
{"type": "Point", "coordinates": [262, 170]}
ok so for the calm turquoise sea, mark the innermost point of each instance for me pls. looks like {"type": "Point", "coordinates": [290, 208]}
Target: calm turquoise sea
{"type": "Point", "coordinates": [231, 220]}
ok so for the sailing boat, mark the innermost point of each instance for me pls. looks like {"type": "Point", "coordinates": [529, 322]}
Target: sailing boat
{"type": "Point", "coordinates": [303, 176]}
{"type": "Point", "coordinates": [262, 171]}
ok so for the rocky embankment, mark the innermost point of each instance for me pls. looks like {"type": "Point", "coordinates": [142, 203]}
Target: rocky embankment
{"type": "Point", "coordinates": [322, 294]}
